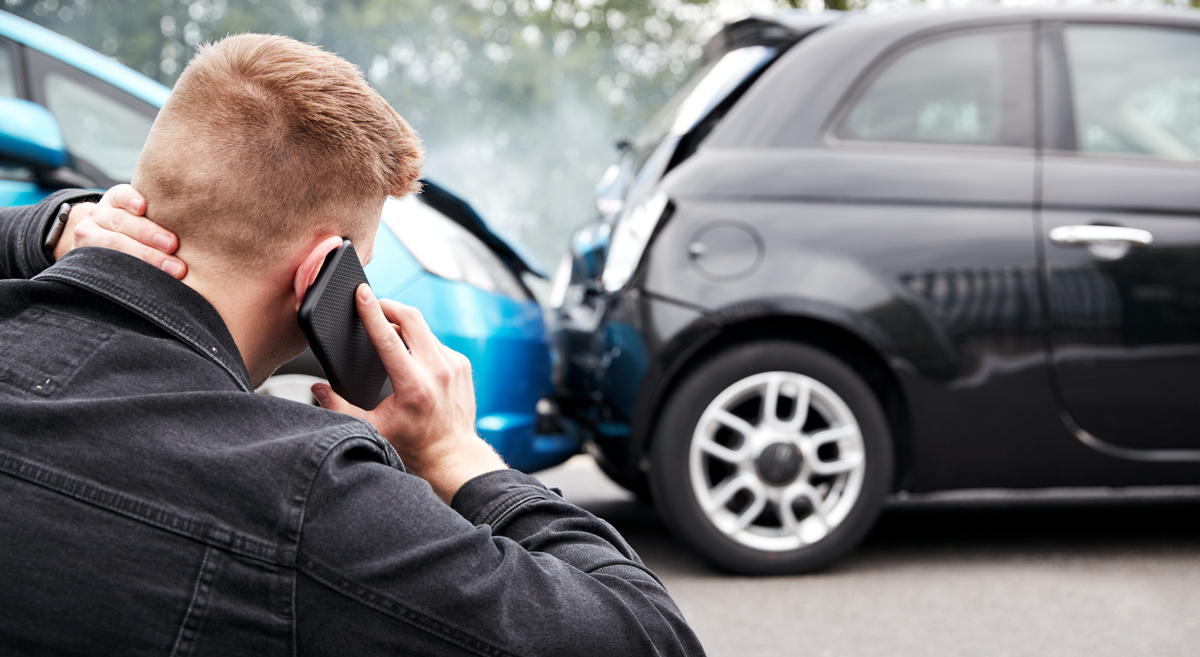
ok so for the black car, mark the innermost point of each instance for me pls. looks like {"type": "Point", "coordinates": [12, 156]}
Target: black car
{"type": "Point", "coordinates": [914, 252]}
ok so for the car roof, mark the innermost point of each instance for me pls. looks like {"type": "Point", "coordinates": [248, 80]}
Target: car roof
{"type": "Point", "coordinates": [918, 18]}
{"type": "Point", "coordinates": [802, 87]}
{"type": "Point", "coordinates": [921, 16]}
{"type": "Point", "coordinates": [83, 58]}
{"type": "Point", "coordinates": [794, 24]}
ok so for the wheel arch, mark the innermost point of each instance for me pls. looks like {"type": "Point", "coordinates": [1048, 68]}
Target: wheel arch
{"type": "Point", "coordinates": [866, 357]}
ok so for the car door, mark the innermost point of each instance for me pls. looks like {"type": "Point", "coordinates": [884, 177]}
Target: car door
{"type": "Point", "coordinates": [1120, 223]}
{"type": "Point", "coordinates": [938, 150]}
{"type": "Point", "coordinates": [17, 186]}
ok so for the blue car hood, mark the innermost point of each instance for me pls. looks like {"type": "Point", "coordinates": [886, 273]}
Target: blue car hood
{"type": "Point", "coordinates": [464, 215]}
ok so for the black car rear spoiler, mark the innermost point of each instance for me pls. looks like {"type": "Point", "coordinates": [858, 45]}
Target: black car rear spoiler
{"type": "Point", "coordinates": [777, 31]}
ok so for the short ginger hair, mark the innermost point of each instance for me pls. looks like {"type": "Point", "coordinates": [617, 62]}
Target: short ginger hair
{"type": "Point", "coordinates": [264, 139]}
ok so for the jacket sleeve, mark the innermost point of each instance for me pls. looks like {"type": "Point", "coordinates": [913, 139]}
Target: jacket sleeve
{"type": "Point", "coordinates": [23, 228]}
{"type": "Point", "coordinates": [511, 569]}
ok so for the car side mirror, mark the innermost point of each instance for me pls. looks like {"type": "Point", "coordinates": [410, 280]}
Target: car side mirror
{"type": "Point", "coordinates": [29, 135]}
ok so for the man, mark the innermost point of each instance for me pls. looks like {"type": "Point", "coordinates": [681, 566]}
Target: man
{"type": "Point", "coordinates": [150, 503]}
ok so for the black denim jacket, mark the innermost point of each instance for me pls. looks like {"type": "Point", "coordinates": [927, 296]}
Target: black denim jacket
{"type": "Point", "coordinates": [151, 504]}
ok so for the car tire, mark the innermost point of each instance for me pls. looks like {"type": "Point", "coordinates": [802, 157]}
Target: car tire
{"type": "Point", "coordinates": [766, 497]}
{"type": "Point", "coordinates": [638, 484]}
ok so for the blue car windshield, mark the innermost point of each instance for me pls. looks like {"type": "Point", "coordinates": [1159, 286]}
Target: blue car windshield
{"type": "Point", "coordinates": [705, 90]}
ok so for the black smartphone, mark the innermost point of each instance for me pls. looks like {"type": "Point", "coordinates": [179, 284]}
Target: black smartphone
{"type": "Point", "coordinates": [329, 317]}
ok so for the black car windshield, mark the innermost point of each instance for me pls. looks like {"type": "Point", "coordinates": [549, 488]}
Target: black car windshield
{"type": "Point", "coordinates": [704, 91]}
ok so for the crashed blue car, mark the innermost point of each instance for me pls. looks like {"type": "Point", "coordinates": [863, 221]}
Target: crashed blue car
{"type": "Point", "coordinates": [71, 117]}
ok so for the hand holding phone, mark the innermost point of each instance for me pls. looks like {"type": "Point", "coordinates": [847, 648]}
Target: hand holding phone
{"type": "Point", "coordinates": [329, 317]}
{"type": "Point", "coordinates": [430, 419]}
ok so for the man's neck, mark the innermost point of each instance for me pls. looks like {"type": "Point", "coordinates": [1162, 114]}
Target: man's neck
{"type": "Point", "coordinates": [261, 321]}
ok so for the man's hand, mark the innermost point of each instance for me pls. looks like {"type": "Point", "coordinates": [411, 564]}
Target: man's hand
{"type": "Point", "coordinates": [430, 420]}
{"type": "Point", "coordinates": [116, 222]}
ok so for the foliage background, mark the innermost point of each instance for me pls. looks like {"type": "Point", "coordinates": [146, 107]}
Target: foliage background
{"type": "Point", "coordinates": [519, 102]}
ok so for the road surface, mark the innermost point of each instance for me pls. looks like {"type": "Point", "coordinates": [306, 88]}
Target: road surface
{"type": "Point", "coordinates": [995, 575]}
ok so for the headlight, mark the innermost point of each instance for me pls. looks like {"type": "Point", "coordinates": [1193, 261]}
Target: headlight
{"type": "Point", "coordinates": [443, 248]}
{"type": "Point", "coordinates": [629, 239]}
{"type": "Point", "coordinates": [608, 196]}
{"type": "Point", "coordinates": [561, 281]}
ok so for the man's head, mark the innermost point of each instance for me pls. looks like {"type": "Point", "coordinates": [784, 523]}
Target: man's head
{"type": "Point", "coordinates": [267, 152]}
{"type": "Point", "coordinates": [265, 142]}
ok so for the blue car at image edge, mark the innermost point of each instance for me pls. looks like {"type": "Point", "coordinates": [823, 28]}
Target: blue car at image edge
{"type": "Point", "coordinates": [71, 117]}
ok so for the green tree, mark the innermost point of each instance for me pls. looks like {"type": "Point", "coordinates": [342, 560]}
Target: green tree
{"type": "Point", "coordinates": [519, 101]}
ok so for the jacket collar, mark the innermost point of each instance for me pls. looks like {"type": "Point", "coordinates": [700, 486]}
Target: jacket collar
{"type": "Point", "coordinates": [169, 304]}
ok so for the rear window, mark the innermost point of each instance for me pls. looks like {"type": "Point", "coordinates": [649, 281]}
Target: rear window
{"type": "Point", "coordinates": [704, 91]}
{"type": "Point", "coordinates": [708, 88]}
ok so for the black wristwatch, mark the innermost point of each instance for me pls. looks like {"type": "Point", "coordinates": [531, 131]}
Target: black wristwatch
{"type": "Point", "coordinates": [56, 230]}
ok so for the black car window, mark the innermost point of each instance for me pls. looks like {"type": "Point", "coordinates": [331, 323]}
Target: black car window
{"type": "Point", "coordinates": [966, 88]}
{"type": "Point", "coordinates": [708, 88]}
{"type": "Point", "coordinates": [1136, 90]}
{"type": "Point", "coordinates": [704, 91]}
{"type": "Point", "coordinates": [104, 128]}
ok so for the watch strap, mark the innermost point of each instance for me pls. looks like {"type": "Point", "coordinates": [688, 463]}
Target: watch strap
{"type": "Point", "coordinates": [55, 232]}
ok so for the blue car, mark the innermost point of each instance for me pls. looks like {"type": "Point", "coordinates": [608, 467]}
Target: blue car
{"type": "Point", "coordinates": [71, 117]}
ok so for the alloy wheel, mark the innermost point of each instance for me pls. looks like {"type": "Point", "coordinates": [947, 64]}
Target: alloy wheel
{"type": "Point", "coordinates": [777, 461]}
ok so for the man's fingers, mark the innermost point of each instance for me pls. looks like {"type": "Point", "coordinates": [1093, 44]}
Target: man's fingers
{"type": "Point", "coordinates": [121, 210]}
{"type": "Point", "coordinates": [457, 360]}
{"type": "Point", "coordinates": [126, 197]}
{"type": "Point", "coordinates": [330, 400]}
{"type": "Point", "coordinates": [391, 349]}
{"type": "Point", "coordinates": [88, 233]}
{"type": "Point", "coordinates": [413, 328]}
{"type": "Point", "coordinates": [143, 230]}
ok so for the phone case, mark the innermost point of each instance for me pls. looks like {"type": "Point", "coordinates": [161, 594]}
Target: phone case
{"type": "Point", "coordinates": [329, 317]}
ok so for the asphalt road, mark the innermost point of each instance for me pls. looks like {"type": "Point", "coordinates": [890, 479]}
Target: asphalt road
{"type": "Point", "coordinates": [992, 575]}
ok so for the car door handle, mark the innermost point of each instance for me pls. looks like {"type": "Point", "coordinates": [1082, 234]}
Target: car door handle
{"type": "Point", "coordinates": [1072, 235]}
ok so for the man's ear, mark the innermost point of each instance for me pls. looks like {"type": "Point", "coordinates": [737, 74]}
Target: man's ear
{"type": "Point", "coordinates": [307, 273]}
